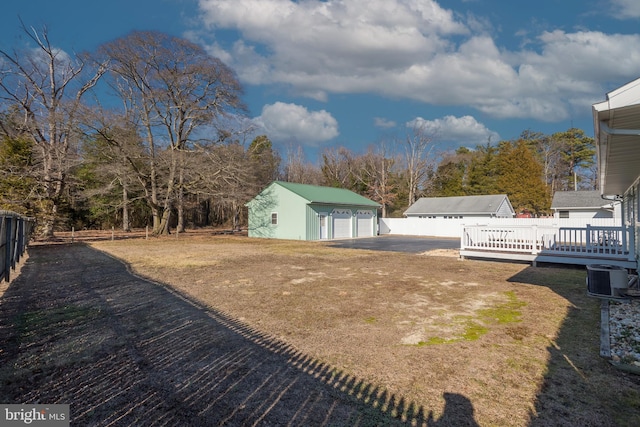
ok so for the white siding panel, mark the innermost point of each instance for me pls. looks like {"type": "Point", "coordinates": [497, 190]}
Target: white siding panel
{"type": "Point", "coordinates": [505, 210]}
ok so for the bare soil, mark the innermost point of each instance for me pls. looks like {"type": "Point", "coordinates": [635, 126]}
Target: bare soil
{"type": "Point", "coordinates": [282, 332]}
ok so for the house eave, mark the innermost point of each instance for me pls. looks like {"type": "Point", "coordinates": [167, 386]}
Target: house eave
{"type": "Point", "coordinates": [617, 139]}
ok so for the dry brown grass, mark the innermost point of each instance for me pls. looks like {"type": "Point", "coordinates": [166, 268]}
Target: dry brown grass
{"type": "Point", "coordinates": [520, 343]}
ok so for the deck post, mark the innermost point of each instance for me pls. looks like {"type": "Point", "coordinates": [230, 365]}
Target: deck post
{"type": "Point", "coordinates": [534, 246]}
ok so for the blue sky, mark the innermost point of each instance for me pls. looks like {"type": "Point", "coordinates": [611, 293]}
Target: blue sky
{"type": "Point", "coordinates": [356, 72]}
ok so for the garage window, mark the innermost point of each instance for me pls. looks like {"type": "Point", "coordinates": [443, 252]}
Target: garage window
{"type": "Point", "coordinates": [274, 218]}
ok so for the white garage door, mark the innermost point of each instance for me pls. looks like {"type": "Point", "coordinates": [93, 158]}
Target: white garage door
{"type": "Point", "coordinates": [364, 221]}
{"type": "Point", "coordinates": [341, 224]}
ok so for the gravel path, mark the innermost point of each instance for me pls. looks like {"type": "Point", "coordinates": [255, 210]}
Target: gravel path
{"type": "Point", "coordinates": [77, 328]}
{"type": "Point", "coordinates": [624, 332]}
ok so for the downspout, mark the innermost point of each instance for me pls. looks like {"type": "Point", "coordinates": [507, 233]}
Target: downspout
{"type": "Point", "coordinates": [612, 198]}
{"type": "Point", "coordinates": [615, 198]}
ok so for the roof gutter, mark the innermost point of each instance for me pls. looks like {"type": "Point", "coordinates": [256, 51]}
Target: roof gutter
{"type": "Point", "coordinates": [359, 205]}
{"type": "Point", "coordinates": [613, 131]}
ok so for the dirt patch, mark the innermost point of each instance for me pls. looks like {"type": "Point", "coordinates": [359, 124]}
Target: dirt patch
{"type": "Point", "coordinates": [455, 253]}
{"type": "Point", "coordinates": [495, 343]}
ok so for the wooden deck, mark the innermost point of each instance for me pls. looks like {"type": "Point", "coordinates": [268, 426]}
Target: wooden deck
{"type": "Point", "coordinates": [579, 246]}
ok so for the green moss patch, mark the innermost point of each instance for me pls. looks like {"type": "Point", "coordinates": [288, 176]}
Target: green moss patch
{"type": "Point", "coordinates": [508, 312]}
{"type": "Point", "coordinates": [475, 326]}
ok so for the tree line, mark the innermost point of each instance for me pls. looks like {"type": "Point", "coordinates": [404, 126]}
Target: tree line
{"type": "Point", "coordinates": [529, 170]}
{"type": "Point", "coordinates": [150, 130]}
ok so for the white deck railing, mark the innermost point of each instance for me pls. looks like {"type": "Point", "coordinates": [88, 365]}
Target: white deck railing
{"type": "Point", "coordinates": [605, 242]}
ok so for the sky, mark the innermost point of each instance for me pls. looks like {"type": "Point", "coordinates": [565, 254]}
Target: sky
{"type": "Point", "coordinates": [354, 73]}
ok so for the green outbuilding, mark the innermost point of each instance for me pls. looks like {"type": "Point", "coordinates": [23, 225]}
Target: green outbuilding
{"type": "Point", "coordinates": [286, 210]}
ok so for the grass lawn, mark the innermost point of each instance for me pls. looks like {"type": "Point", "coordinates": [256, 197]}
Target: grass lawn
{"type": "Point", "coordinates": [509, 344]}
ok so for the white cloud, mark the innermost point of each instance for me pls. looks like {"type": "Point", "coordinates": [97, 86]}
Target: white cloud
{"type": "Point", "coordinates": [463, 131]}
{"type": "Point", "coordinates": [418, 50]}
{"type": "Point", "coordinates": [312, 43]}
{"type": "Point", "coordinates": [628, 9]}
{"type": "Point", "coordinates": [381, 122]}
{"type": "Point", "coordinates": [291, 122]}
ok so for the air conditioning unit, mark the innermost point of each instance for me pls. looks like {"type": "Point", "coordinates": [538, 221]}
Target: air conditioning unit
{"type": "Point", "coordinates": [608, 281]}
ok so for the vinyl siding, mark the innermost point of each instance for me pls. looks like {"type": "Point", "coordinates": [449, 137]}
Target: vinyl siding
{"type": "Point", "coordinates": [299, 217]}
{"type": "Point", "coordinates": [291, 214]}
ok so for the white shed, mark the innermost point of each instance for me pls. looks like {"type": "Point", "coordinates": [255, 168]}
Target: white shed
{"type": "Point", "coordinates": [583, 204]}
{"type": "Point", "coordinates": [458, 207]}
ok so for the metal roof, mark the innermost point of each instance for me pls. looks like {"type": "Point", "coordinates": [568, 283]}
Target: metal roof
{"type": "Point", "coordinates": [616, 123]}
{"type": "Point", "coordinates": [470, 205]}
{"type": "Point", "coordinates": [578, 200]}
{"type": "Point", "coordinates": [327, 195]}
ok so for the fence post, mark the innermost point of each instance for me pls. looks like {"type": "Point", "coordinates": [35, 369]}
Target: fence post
{"type": "Point", "coordinates": [19, 239]}
{"type": "Point", "coordinates": [3, 247]}
{"type": "Point", "coordinates": [14, 241]}
{"type": "Point", "coordinates": [7, 247]}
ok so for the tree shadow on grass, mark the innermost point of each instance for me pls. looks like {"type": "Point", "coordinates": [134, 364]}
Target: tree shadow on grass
{"type": "Point", "coordinates": [78, 328]}
{"type": "Point", "coordinates": [580, 388]}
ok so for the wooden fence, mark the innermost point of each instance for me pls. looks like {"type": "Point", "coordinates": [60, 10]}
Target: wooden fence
{"type": "Point", "coordinates": [15, 231]}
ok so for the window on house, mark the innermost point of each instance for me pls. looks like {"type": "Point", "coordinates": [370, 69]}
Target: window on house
{"type": "Point", "coordinates": [274, 218]}
{"type": "Point", "coordinates": [563, 214]}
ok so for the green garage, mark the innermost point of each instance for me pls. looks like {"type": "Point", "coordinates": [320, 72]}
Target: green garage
{"type": "Point", "coordinates": [287, 210]}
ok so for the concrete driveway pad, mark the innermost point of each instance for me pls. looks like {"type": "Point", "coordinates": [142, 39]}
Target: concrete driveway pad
{"type": "Point", "coordinates": [394, 243]}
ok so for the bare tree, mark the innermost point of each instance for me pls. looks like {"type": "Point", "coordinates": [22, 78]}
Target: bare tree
{"type": "Point", "coordinates": [43, 88]}
{"type": "Point", "coordinates": [173, 88]}
{"type": "Point", "coordinates": [549, 153]}
{"type": "Point", "coordinates": [417, 147]}
{"type": "Point", "coordinates": [297, 169]}
{"type": "Point", "coordinates": [116, 149]}
{"type": "Point", "coordinates": [222, 173]}
{"type": "Point", "coordinates": [374, 171]}
{"type": "Point", "coordinates": [339, 168]}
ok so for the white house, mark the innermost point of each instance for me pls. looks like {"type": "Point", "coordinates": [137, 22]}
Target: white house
{"type": "Point", "coordinates": [461, 207]}
{"type": "Point", "coordinates": [617, 135]}
{"type": "Point", "coordinates": [583, 204]}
